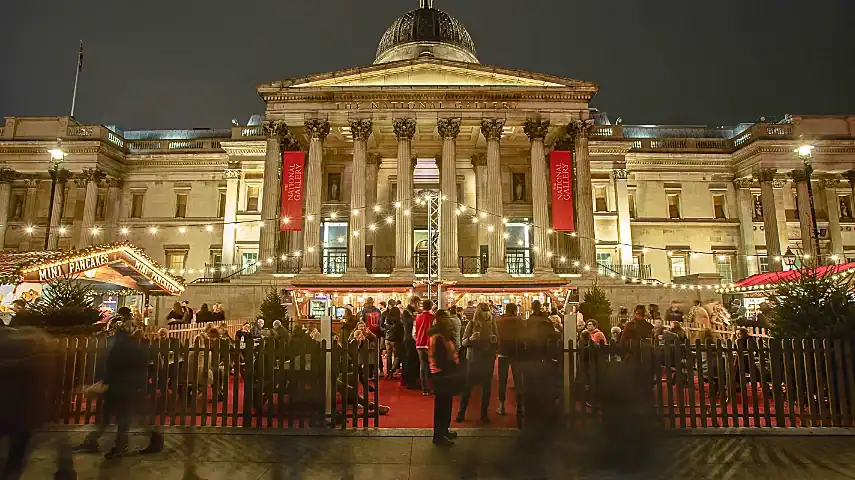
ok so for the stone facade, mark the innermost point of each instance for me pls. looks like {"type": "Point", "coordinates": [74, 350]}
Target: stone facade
{"type": "Point", "coordinates": [654, 202]}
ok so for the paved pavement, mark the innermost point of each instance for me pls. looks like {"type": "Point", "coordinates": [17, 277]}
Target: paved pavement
{"type": "Point", "coordinates": [236, 455]}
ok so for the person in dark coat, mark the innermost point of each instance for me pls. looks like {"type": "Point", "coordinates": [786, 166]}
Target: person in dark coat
{"type": "Point", "coordinates": [410, 357]}
{"type": "Point", "coordinates": [394, 328]}
{"type": "Point", "coordinates": [204, 315]}
{"type": "Point", "coordinates": [125, 383]}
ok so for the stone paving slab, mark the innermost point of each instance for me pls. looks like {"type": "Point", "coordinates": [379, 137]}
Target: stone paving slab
{"type": "Point", "coordinates": [279, 457]}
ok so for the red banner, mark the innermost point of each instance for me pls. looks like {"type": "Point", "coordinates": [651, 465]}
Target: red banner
{"type": "Point", "coordinates": [561, 175]}
{"type": "Point", "coordinates": [292, 192]}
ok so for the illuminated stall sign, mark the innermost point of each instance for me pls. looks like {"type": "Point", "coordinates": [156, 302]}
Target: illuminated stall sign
{"type": "Point", "coordinates": [75, 266]}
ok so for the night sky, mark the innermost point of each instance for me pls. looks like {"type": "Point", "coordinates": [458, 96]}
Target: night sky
{"type": "Point", "coordinates": [192, 63]}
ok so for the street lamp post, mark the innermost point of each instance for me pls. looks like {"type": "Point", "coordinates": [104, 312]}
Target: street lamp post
{"type": "Point", "coordinates": [804, 153]}
{"type": "Point", "coordinates": [56, 158]}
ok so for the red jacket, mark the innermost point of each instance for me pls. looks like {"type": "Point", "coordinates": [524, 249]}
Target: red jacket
{"type": "Point", "coordinates": [423, 323]}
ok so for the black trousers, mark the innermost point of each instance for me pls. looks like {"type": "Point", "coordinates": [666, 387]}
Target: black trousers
{"type": "Point", "coordinates": [442, 402]}
{"type": "Point", "coordinates": [18, 443]}
{"type": "Point", "coordinates": [480, 374]}
{"type": "Point", "coordinates": [506, 364]}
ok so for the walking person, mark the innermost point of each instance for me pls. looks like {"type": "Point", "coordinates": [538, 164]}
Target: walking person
{"type": "Point", "coordinates": [423, 323]}
{"type": "Point", "coordinates": [443, 376]}
{"type": "Point", "coordinates": [394, 327]}
{"type": "Point", "coordinates": [511, 331]}
{"type": "Point", "coordinates": [481, 340]}
{"type": "Point", "coordinates": [125, 384]}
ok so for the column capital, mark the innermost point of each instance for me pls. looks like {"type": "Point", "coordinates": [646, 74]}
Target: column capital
{"type": "Point", "coordinates": [8, 175]}
{"type": "Point", "coordinates": [744, 182]}
{"type": "Point", "coordinates": [92, 175]}
{"type": "Point", "coordinates": [536, 129]}
{"type": "Point", "coordinates": [850, 176]}
{"type": "Point", "coordinates": [62, 176]}
{"type": "Point", "coordinates": [374, 159]}
{"type": "Point", "coordinates": [274, 128]}
{"type": "Point", "coordinates": [565, 143]}
{"type": "Point", "coordinates": [31, 182]}
{"type": "Point", "coordinates": [113, 182]}
{"type": "Point", "coordinates": [580, 128]}
{"type": "Point", "coordinates": [799, 175]}
{"type": "Point", "coordinates": [479, 160]}
{"type": "Point", "coordinates": [448, 127]}
{"type": "Point", "coordinates": [317, 129]}
{"type": "Point", "coordinates": [232, 173]}
{"type": "Point", "coordinates": [288, 144]}
{"type": "Point", "coordinates": [405, 128]}
{"type": "Point", "coordinates": [620, 174]}
{"type": "Point", "coordinates": [361, 129]}
{"type": "Point", "coordinates": [766, 174]}
{"type": "Point", "coordinates": [492, 128]}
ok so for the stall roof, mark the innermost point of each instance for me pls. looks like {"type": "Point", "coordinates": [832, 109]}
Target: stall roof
{"type": "Point", "coordinates": [111, 263]}
{"type": "Point", "coordinates": [767, 281]}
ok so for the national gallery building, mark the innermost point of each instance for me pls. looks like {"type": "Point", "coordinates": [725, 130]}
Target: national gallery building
{"type": "Point", "coordinates": [428, 165]}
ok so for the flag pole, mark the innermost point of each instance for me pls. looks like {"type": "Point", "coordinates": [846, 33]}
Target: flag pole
{"type": "Point", "coordinates": [77, 77]}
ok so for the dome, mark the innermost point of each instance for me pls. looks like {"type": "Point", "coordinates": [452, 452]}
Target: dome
{"type": "Point", "coordinates": [426, 32]}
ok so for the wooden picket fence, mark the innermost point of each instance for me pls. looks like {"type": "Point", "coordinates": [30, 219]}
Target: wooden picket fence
{"type": "Point", "coordinates": [767, 383]}
{"type": "Point", "coordinates": [217, 383]}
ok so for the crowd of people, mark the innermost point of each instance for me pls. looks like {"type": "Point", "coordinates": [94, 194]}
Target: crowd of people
{"type": "Point", "coordinates": [182, 313]}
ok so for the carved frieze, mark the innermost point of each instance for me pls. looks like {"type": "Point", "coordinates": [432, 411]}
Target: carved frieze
{"type": "Point", "coordinates": [492, 128]}
{"type": "Point", "coordinates": [405, 128]}
{"type": "Point", "coordinates": [317, 129]}
{"type": "Point", "coordinates": [361, 129]}
{"type": "Point", "coordinates": [448, 127]}
{"type": "Point", "coordinates": [829, 182]}
{"type": "Point", "coordinates": [536, 129]}
{"type": "Point", "coordinates": [231, 174]}
{"type": "Point", "coordinates": [620, 174]}
{"type": "Point", "coordinates": [744, 182]}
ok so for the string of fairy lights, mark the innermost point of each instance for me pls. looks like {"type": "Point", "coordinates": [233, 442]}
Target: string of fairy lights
{"type": "Point", "coordinates": [389, 211]}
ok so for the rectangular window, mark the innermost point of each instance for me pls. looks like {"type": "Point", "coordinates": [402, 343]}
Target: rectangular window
{"type": "Point", "coordinates": [845, 206]}
{"type": "Point", "coordinates": [221, 205]}
{"type": "Point", "coordinates": [137, 205]}
{"type": "Point", "coordinates": [101, 207]}
{"type": "Point", "coordinates": [724, 266]}
{"type": "Point", "coordinates": [719, 211]}
{"type": "Point", "coordinates": [600, 204]}
{"type": "Point", "coordinates": [631, 197]}
{"type": "Point", "coordinates": [16, 210]}
{"type": "Point", "coordinates": [180, 205]}
{"type": "Point", "coordinates": [252, 192]}
{"type": "Point", "coordinates": [175, 260]}
{"type": "Point", "coordinates": [763, 262]}
{"type": "Point", "coordinates": [604, 263]}
{"type": "Point", "coordinates": [393, 194]}
{"type": "Point", "coordinates": [518, 187]}
{"type": "Point", "coordinates": [679, 268]}
{"type": "Point", "coordinates": [673, 205]}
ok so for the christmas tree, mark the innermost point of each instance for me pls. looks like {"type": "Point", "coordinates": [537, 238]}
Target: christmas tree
{"type": "Point", "coordinates": [596, 306]}
{"type": "Point", "coordinates": [272, 308]}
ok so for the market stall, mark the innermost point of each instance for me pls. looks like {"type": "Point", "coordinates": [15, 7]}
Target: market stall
{"type": "Point", "coordinates": [120, 273]}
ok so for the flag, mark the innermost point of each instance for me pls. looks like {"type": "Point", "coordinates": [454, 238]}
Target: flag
{"type": "Point", "coordinates": [80, 58]}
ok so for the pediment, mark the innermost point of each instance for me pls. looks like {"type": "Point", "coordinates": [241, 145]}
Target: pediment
{"type": "Point", "coordinates": [428, 72]}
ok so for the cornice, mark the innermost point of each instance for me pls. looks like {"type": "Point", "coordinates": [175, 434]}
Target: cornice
{"type": "Point", "coordinates": [597, 147]}
{"type": "Point", "coordinates": [245, 148]}
{"type": "Point", "coordinates": [407, 94]}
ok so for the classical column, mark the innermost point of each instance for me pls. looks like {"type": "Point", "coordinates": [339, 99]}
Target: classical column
{"type": "Point", "coordinates": [30, 200]}
{"type": "Point", "coordinates": [619, 177]}
{"type": "Point", "coordinates": [492, 128]}
{"type": "Point", "coordinates": [275, 131]}
{"type": "Point", "coordinates": [114, 208]}
{"type": "Point", "coordinates": [372, 168]}
{"type": "Point", "coordinates": [405, 130]}
{"type": "Point", "coordinates": [317, 130]}
{"type": "Point", "coordinates": [745, 210]}
{"type": "Point", "coordinates": [361, 130]}
{"type": "Point", "coordinates": [537, 130]}
{"type": "Point", "coordinates": [7, 176]}
{"type": "Point", "coordinates": [448, 129]}
{"type": "Point", "coordinates": [832, 207]}
{"type": "Point", "coordinates": [232, 177]}
{"type": "Point", "coordinates": [801, 178]}
{"type": "Point", "coordinates": [62, 176]}
{"type": "Point", "coordinates": [579, 129]}
{"type": "Point", "coordinates": [479, 163]}
{"type": "Point", "coordinates": [92, 178]}
{"type": "Point", "coordinates": [770, 218]}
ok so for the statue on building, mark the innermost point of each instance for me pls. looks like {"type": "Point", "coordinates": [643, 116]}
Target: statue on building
{"type": "Point", "coordinates": [519, 187]}
{"type": "Point", "coordinates": [334, 187]}
{"type": "Point", "coordinates": [845, 212]}
{"type": "Point", "coordinates": [758, 207]}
